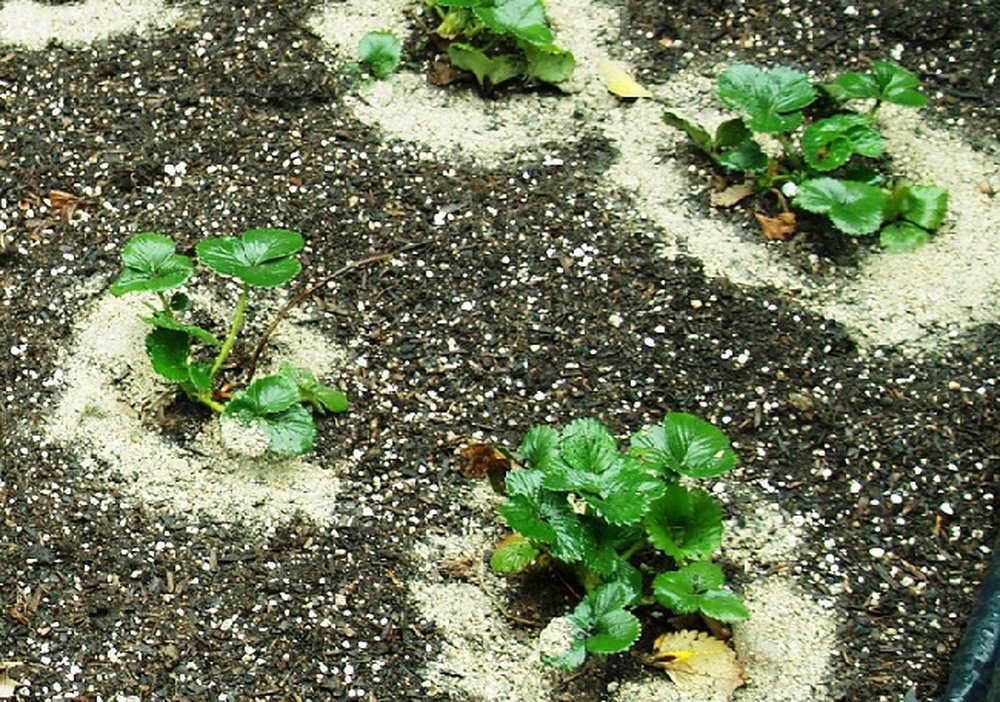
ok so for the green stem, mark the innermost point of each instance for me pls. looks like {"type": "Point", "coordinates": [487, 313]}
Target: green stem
{"type": "Point", "coordinates": [207, 400]}
{"type": "Point", "coordinates": [789, 149]}
{"type": "Point", "coordinates": [227, 345]}
{"type": "Point", "coordinates": [166, 304]}
{"type": "Point", "coordinates": [633, 549]}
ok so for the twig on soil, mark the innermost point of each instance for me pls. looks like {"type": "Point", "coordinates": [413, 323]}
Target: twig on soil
{"type": "Point", "coordinates": [521, 620]}
{"type": "Point", "coordinates": [308, 291]}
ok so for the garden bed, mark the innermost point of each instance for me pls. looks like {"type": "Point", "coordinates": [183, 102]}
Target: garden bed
{"type": "Point", "coordinates": [533, 258]}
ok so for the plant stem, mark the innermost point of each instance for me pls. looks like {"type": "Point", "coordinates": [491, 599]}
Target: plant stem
{"type": "Point", "coordinates": [166, 304]}
{"type": "Point", "coordinates": [631, 550]}
{"type": "Point", "coordinates": [207, 400]}
{"type": "Point", "coordinates": [789, 149]}
{"type": "Point", "coordinates": [234, 328]}
{"type": "Point", "coordinates": [307, 291]}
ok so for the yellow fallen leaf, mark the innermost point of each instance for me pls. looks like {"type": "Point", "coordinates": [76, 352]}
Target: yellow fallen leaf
{"type": "Point", "coordinates": [618, 81]}
{"type": "Point", "coordinates": [698, 663]}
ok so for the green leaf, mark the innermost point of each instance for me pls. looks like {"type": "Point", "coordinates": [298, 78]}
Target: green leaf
{"type": "Point", "coordinates": [261, 258]}
{"type": "Point", "coordinates": [540, 447]}
{"type": "Point", "coordinates": [200, 376]}
{"type": "Point", "coordinates": [524, 19]}
{"type": "Point", "coordinates": [381, 51]}
{"type": "Point", "coordinates": [547, 63]}
{"type": "Point", "coordinates": [513, 555]}
{"type": "Point", "coordinates": [686, 445]}
{"type": "Point", "coordinates": [625, 492]}
{"type": "Point", "coordinates": [562, 643]}
{"type": "Point", "coordinates": [179, 302]}
{"type": "Point", "coordinates": [489, 71]}
{"type": "Point", "coordinates": [586, 445]}
{"type": "Point", "coordinates": [675, 592]}
{"type": "Point", "coordinates": [886, 83]}
{"type": "Point", "coordinates": [163, 320]}
{"type": "Point", "coordinates": [545, 517]}
{"type": "Point", "coordinates": [604, 560]}
{"type": "Point", "coordinates": [572, 658]}
{"type": "Point", "coordinates": [769, 101]}
{"type": "Point", "coordinates": [698, 587]}
{"type": "Point", "coordinates": [150, 264]}
{"type": "Point", "coordinates": [722, 605]}
{"type": "Point", "coordinates": [323, 398]}
{"type": "Point", "coordinates": [852, 86]}
{"type": "Point", "coordinates": [270, 405]}
{"type": "Point", "coordinates": [746, 157]}
{"type": "Point", "coordinates": [854, 208]}
{"type": "Point", "coordinates": [462, 3]}
{"type": "Point", "coordinates": [615, 631]}
{"type": "Point", "coordinates": [902, 237]}
{"type": "Point", "coordinates": [168, 351]}
{"type": "Point", "coordinates": [686, 524]}
{"type": "Point", "coordinates": [697, 134]}
{"type": "Point", "coordinates": [897, 85]}
{"type": "Point", "coordinates": [924, 205]}
{"type": "Point", "coordinates": [828, 143]}
{"type": "Point", "coordinates": [732, 132]}
{"type": "Point", "coordinates": [602, 616]}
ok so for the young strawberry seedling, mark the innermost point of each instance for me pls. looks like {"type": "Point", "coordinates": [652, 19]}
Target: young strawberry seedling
{"type": "Point", "coordinates": [273, 407]}
{"type": "Point", "coordinates": [622, 524]}
{"type": "Point", "coordinates": [829, 171]}
{"type": "Point", "coordinates": [499, 40]}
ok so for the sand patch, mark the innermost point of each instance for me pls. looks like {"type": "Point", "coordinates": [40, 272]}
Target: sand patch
{"type": "Point", "coordinates": [910, 301]}
{"type": "Point", "coordinates": [107, 416]}
{"type": "Point", "coordinates": [33, 25]}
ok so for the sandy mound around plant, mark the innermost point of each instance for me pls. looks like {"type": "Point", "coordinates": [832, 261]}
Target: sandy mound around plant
{"type": "Point", "coordinates": [33, 25]}
{"type": "Point", "coordinates": [911, 301]}
{"type": "Point", "coordinates": [785, 647]}
{"type": "Point", "coordinates": [108, 411]}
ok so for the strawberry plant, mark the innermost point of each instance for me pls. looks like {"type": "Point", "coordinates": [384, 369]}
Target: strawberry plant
{"type": "Point", "coordinates": [276, 408]}
{"type": "Point", "coordinates": [825, 166]}
{"type": "Point", "coordinates": [622, 523]}
{"type": "Point", "coordinates": [500, 40]}
{"type": "Point", "coordinates": [380, 51]}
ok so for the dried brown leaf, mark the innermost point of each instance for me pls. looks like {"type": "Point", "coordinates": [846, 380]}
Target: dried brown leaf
{"type": "Point", "coordinates": [443, 73]}
{"type": "Point", "coordinates": [482, 459]}
{"type": "Point", "coordinates": [64, 203]}
{"type": "Point", "coordinates": [776, 228]}
{"type": "Point", "coordinates": [731, 195]}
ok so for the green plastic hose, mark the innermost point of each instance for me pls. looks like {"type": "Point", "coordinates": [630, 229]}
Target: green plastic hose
{"type": "Point", "coordinates": [975, 675]}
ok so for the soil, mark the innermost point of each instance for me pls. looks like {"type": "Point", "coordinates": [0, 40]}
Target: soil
{"type": "Point", "coordinates": [510, 293]}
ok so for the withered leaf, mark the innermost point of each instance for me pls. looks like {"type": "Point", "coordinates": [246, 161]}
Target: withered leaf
{"type": "Point", "coordinates": [698, 663]}
{"type": "Point", "coordinates": [443, 73]}
{"type": "Point", "coordinates": [731, 195]}
{"type": "Point", "coordinates": [486, 460]}
{"type": "Point", "coordinates": [64, 203]}
{"type": "Point", "coordinates": [776, 228]}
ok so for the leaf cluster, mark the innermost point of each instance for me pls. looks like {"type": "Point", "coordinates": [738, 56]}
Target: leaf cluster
{"type": "Point", "coordinates": [828, 165]}
{"type": "Point", "coordinates": [274, 406]}
{"type": "Point", "coordinates": [622, 522]}
{"type": "Point", "coordinates": [500, 40]}
{"type": "Point", "coordinates": [381, 52]}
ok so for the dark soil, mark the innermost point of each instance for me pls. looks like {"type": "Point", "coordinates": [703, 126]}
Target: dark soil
{"type": "Point", "coordinates": [99, 597]}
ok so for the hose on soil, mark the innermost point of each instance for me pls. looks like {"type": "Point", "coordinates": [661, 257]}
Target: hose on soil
{"type": "Point", "coordinates": [975, 675]}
